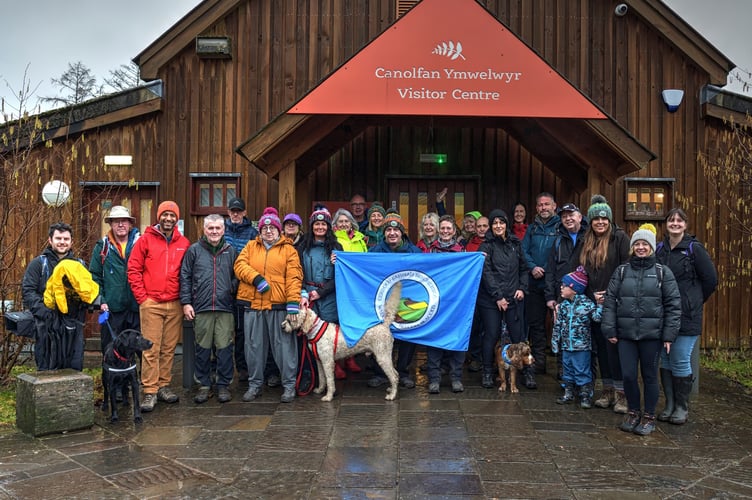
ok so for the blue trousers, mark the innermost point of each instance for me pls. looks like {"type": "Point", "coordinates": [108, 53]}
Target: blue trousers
{"type": "Point", "coordinates": [645, 353]}
{"type": "Point", "coordinates": [679, 360]}
{"type": "Point", "coordinates": [576, 367]}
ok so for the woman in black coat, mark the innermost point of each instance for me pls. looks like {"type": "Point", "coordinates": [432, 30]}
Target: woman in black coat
{"type": "Point", "coordinates": [503, 285]}
{"type": "Point", "coordinates": [697, 280]}
{"type": "Point", "coordinates": [641, 313]}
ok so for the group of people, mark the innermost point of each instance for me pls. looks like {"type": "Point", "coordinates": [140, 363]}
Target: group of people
{"type": "Point", "coordinates": [618, 303]}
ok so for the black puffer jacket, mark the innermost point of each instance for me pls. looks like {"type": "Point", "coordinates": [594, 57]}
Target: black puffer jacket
{"type": "Point", "coordinates": [640, 305]}
{"type": "Point", "coordinates": [207, 279]}
{"type": "Point", "coordinates": [696, 276]}
{"type": "Point", "coordinates": [504, 270]}
{"type": "Point", "coordinates": [563, 259]}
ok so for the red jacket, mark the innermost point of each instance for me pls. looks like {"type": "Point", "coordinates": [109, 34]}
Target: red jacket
{"type": "Point", "coordinates": [154, 265]}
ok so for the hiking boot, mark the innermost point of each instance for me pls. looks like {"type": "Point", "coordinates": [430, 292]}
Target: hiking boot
{"type": "Point", "coordinates": [251, 394]}
{"type": "Point", "coordinates": [288, 396]}
{"type": "Point", "coordinates": [457, 386]}
{"type": "Point", "coordinates": [203, 395]}
{"type": "Point", "coordinates": [475, 366]}
{"type": "Point", "coordinates": [273, 381]}
{"type": "Point", "coordinates": [224, 395]}
{"type": "Point", "coordinates": [352, 365]}
{"type": "Point", "coordinates": [377, 381]}
{"type": "Point", "coordinates": [433, 388]}
{"type": "Point", "coordinates": [568, 395]}
{"type": "Point", "coordinates": [167, 395]}
{"type": "Point", "coordinates": [606, 399]}
{"type": "Point", "coordinates": [620, 402]}
{"type": "Point", "coordinates": [149, 402]}
{"type": "Point", "coordinates": [646, 425]}
{"type": "Point", "coordinates": [407, 382]}
{"type": "Point", "coordinates": [487, 381]}
{"type": "Point", "coordinates": [631, 420]}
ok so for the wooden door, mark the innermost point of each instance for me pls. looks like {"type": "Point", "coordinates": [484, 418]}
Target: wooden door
{"type": "Point", "coordinates": [413, 197]}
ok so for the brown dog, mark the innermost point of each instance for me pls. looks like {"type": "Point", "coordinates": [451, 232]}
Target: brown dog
{"type": "Point", "coordinates": [512, 357]}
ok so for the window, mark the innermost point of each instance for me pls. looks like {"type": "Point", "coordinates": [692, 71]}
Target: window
{"type": "Point", "coordinates": [211, 192]}
{"type": "Point", "coordinates": [648, 199]}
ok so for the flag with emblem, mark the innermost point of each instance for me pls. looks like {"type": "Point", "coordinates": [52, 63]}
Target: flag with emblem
{"type": "Point", "coordinates": [437, 302]}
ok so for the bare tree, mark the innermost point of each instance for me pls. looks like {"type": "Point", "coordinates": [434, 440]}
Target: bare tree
{"type": "Point", "coordinates": [125, 77]}
{"type": "Point", "coordinates": [27, 160]}
{"type": "Point", "coordinates": [728, 169]}
{"type": "Point", "coordinates": [77, 85]}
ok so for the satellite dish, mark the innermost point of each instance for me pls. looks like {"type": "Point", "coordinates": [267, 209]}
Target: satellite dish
{"type": "Point", "coordinates": [56, 193]}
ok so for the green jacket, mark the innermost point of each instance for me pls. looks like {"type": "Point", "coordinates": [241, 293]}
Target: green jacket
{"type": "Point", "coordinates": [108, 268]}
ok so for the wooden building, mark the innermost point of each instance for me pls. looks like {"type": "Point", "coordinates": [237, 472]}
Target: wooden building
{"type": "Point", "coordinates": [274, 101]}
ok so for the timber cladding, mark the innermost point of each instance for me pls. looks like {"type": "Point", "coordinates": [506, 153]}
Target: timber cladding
{"type": "Point", "coordinates": [281, 50]}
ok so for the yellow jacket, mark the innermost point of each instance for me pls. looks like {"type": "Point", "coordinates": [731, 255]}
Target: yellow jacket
{"type": "Point", "coordinates": [279, 266]}
{"type": "Point", "coordinates": [80, 281]}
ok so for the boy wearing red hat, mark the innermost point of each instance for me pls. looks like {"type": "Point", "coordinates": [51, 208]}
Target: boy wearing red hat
{"type": "Point", "coordinates": [154, 277]}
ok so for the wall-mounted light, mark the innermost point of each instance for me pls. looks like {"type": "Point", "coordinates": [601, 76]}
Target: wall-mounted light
{"type": "Point", "coordinates": [433, 158]}
{"type": "Point", "coordinates": [672, 98]}
{"type": "Point", "coordinates": [217, 47]}
{"type": "Point", "coordinates": [118, 160]}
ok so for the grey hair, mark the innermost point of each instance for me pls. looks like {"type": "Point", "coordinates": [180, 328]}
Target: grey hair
{"type": "Point", "coordinates": [346, 213]}
{"type": "Point", "coordinates": [213, 218]}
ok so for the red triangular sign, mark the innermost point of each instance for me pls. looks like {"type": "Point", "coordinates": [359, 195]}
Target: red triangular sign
{"type": "Point", "coordinates": [450, 58]}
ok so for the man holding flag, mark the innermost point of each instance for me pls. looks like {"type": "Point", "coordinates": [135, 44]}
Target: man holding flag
{"type": "Point", "coordinates": [436, 290]}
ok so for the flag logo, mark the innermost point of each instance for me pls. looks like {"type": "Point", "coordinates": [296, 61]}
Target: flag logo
{"type": "Point", "coordinates": [416, 309]}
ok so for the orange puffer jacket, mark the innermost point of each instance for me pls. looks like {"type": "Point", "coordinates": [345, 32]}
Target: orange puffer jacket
{"type": "Point", "coordinates": [279, 266]}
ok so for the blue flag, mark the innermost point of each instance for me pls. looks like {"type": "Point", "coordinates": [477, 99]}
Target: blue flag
{"type": "Point", "coordinates": [438, 295]}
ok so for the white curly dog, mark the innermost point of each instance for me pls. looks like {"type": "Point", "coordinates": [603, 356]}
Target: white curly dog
{"type": "Point", "coordinates": [377, 340]}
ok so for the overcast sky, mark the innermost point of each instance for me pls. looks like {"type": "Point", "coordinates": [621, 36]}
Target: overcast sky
{"type": "Point", "coordinates": [103, 34]}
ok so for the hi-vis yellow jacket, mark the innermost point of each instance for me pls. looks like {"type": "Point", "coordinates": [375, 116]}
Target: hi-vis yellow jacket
{"type": "Point", "coordinates": [81, 284]}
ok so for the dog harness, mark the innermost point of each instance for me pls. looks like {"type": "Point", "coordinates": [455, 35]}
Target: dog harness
{"type": "Point", "coordinates": [504, 356]}
{"type": "Point", "coordinates": [310, 339]}
{"type": "Point", "coordinates": [319, 327]}
{"type": "Point", "coordinates": [121, 358]}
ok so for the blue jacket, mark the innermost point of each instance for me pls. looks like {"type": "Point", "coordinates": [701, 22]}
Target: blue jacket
{"type": "Point", "coordinates": [239, 234]}
{"type": "Point", "coordinates": [572, 327]}
{"type": "Point", "coordinates": [537, 244]}
{"type": "Point", "coordinates": [318, 274]}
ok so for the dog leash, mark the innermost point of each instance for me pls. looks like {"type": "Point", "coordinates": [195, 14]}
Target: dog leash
{"type": "Point", "coordinates": [310, 352]}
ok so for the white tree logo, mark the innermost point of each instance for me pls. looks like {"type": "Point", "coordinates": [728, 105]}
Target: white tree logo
{"type": "Point", "coordinates": [449, 49]}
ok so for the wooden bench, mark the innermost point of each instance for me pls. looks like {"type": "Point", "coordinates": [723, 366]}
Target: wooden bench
{"type": "Point", "coordinates": [54, 401]}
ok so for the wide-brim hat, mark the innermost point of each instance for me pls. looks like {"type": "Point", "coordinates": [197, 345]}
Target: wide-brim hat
{"type": "Point", "coordinates": [119, 212]}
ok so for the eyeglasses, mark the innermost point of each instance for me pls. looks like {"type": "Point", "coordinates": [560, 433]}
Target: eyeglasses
{"type": "Point", "coordinates": [358, 204]}
{"type": "Point", "coordinates": [120, 222]}
{"type": "Point", "coordinates": [268, 229]}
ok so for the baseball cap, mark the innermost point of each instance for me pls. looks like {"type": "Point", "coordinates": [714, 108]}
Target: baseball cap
{"type": "Point", "coordinates": [569, 207]}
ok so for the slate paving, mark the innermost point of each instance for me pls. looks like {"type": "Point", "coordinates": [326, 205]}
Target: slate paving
{"type": "Point", "coordinates": [475, 444]}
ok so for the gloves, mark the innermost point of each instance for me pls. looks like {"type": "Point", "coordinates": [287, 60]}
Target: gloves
{"type": "Point", "coordinates": [261, 284]}
{"type": "Point", "coordinates": [293, 308]}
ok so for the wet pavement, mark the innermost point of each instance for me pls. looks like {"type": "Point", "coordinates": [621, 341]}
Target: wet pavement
{"type": "Point", "coordinates": [475, 444]}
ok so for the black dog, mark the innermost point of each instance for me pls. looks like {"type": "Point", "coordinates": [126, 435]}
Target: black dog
{"type": "Point", "coordinates": [119, 371]}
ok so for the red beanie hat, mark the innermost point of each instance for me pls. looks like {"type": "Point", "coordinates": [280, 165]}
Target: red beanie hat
{"type": "Point", "coordinates": [168, 206]}
{"type": "Point", "coordinates": [271, 218]}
